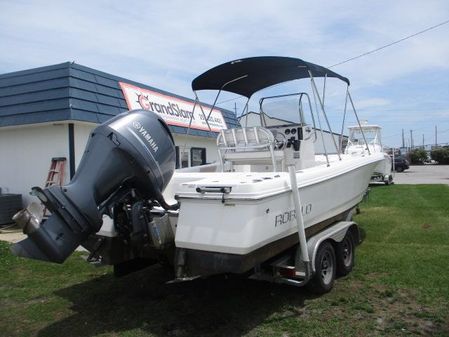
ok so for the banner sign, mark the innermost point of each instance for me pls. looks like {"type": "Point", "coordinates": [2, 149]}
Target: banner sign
{"type": "Point", "coordinates": [173, 110]}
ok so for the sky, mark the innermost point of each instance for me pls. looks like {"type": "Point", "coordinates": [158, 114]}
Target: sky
{"type": "Point", "coordinates": [166, 44]}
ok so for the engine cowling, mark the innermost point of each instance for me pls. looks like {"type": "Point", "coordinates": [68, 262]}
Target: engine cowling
{"type": "Point", "coordinates": [133, 151]}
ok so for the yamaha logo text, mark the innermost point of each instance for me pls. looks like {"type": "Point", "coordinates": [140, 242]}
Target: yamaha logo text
{"type": "Point", "coordinates": [146, 135]}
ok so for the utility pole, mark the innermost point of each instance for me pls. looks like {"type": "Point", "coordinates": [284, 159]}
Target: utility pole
{"type": "Point", "coordinates": [423, 141]}
{"type": "Point", "coordinates": [436, 137]}
{"type": "Point", "coordinates": [403, 139]}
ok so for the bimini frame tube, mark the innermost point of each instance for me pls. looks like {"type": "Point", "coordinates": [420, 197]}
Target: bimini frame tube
{"type": "Point", "coordinates": [193, 111]}
{"type": "Point", "coordinates": [321, 128]}
{"type": "Point", "coordinates": [340, 145]}
{"type": "Point", "coordinates": [311, 112]}
{"type": "Point", "coordinates": [221, 89]}
{"type": "Point", "coordinates": [190, 123]}
{"type": "Point", "coordinates": [324, 88]}
{"type": "Point", "coordinates": [243, 112]}
{"type": "Point", "coordinates": [324, 112]}
{"type": "Point", "coordinates": [197, 101]}
{"type": "Point", "coordinates": [204, 114]}
{"type": "Point", "coordinates": [358, 122]}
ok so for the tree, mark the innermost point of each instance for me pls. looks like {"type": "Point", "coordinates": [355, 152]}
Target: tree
{"type": "Point", "coordinates": [418, 156]}
{"type": "Point", "coordinates": [441, 155]}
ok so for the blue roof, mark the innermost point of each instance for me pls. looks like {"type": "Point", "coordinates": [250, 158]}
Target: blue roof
{"type": "Point", "coordinates": [69, 91]}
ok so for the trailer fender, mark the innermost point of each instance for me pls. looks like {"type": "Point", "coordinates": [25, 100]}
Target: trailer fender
{"type": "Point", "coordinates": [335, 233]}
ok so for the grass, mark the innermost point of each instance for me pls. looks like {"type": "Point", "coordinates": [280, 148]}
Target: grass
{"type": "Point", "coordinates": [400, 286]}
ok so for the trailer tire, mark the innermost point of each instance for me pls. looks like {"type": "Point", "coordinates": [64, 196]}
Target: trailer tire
{"type": "Point", "coordinates": [325, 269]}
{"type": "Point", "coordinates": [345, 254]}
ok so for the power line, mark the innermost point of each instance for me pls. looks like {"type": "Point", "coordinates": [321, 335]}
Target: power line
{"type": "Point", "coordinates": [390, 44]}
{"type": "Point", "coordinates": [368, 52]}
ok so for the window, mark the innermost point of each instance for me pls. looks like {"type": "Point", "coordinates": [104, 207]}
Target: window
{"type": "Point", "coordinates": [182, 157]}
{"type": "Point", "coordinates": [198, 156]}
{"type": "Point", "coordinates": [177, 157]}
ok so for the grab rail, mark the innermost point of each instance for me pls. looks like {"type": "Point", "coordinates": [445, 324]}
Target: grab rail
{"type": "Point", "coordinates": [214, 189]}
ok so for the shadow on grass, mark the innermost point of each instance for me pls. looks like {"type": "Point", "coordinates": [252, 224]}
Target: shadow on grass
{"type": "Point", "coordinates": [141, 303]}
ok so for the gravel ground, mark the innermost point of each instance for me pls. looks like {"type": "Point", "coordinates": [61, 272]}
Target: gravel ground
{"type": "Point", "coordinates": [423, 174]}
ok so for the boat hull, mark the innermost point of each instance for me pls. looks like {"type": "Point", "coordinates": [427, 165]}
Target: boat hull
{"type": "Point", "coordinates": [204, 263]}
{"type": "Point", "coordinates": [240, 226]}
{"type": "Point", "coordinates": [383, 168]}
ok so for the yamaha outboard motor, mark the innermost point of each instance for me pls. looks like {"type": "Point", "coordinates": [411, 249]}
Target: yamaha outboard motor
{"type": "Point", "coordinates": [132, 152]}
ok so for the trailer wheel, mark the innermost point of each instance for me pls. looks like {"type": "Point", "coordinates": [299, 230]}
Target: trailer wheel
{"type": "Point", "coordinates": [325, 269]}
{"type": "Point", "coordinates": [345, 255]}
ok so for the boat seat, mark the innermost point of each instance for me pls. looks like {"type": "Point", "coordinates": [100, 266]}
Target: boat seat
{"type": "Point", "coordinates": [251, 145]}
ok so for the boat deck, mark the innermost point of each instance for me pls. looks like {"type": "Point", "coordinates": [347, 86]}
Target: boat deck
{"type": "Point", "coordinates": [257, 185]}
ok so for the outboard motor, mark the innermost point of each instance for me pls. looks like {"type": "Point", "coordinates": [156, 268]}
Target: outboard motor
{"type": "Point", "coordinates": [132, 152]}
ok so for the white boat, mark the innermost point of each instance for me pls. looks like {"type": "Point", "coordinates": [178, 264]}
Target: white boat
{"type": "Point", "coordinates": [247, 211]}
{"type": "Point", "coordinates": [370, 140]}
{"type": "Point", "coordinates": [245, 214]}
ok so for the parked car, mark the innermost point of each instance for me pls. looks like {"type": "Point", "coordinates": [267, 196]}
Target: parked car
{"type": "Point", "coordinates": [401, 164]}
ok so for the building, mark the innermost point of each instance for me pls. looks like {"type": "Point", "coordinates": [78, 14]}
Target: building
{"type": "Point", "coordinates": [50, 111]}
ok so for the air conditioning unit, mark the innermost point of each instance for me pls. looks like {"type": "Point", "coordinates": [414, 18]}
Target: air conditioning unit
{"type": "Point", "coordinates": [10, 204]}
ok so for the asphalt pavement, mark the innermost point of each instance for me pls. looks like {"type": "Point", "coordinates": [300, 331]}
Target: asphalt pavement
{"type": "Point", "coordinates": [423, 174]}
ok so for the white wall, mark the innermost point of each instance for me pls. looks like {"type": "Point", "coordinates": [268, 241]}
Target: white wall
{"type": "Point", "coordinates": [25, 156]}
{"type": "Point", "coordinates": [187, 142]}
{"type": "Point", "coordinates": [82, 132]}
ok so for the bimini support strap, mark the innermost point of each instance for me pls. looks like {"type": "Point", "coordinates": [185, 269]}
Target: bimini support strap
{"type": "Point", "coordinates": [206, 119]}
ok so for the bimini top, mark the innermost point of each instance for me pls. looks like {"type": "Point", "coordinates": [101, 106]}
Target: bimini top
{"type": "Point", "coordinates": [249, 75]}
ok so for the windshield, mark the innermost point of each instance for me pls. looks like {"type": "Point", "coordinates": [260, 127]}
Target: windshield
{"type": "Point", "coordinates": [371, 135]}
{"type": "Point", "coordinates": [285, 109]}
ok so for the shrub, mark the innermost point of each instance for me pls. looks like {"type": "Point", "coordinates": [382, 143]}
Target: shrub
{"type": "Point", "coordinates": [441, 155]}
{"type": "Point", "coordinates": [418, 156]}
